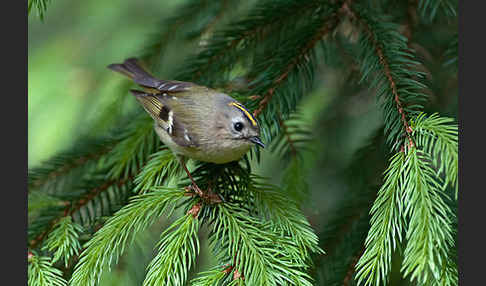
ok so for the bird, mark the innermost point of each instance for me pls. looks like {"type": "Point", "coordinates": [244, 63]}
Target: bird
{"type": "Point", "coordinates": [194, 121]}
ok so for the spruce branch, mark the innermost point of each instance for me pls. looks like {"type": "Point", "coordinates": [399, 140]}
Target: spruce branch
{"type": "Point", "coordinates": [438, 137]}
{"type": "Point", "coordinates": [229, 180]}
{"type": "Point", "coordinates": [449, 273]}
{"type": "Point", "coordinates": [65, 169]}
{"type": "Point", "coordinates": [161, 167]}
{"type": "Point", "coordinates": [39, 201]}
{"type": "Point", "coordinates": [43, 223]}
{"type": "Point", "coordinates": [285, 66]}
{"type": "Point", "coordinates": [95, 192]}
{"type": "Point", "coordinates": [63, 240]}
{"type": "Point", "coordinates": [177, 253]}
{"type": "Point", "coordinates": [297, 61]}
{"type": "Point", "coordinates": [284, 216]}
{"type": "Point", "coordinates": [293, 136]}
{"type": "Point", "coordinates": [411, 196]}
{"type": "Point", "coordinates": [263, 256]}
{"type": "Point", "coordinates": [226, 46]}
{"type": "Point", "coordinates": [67, 162]}
{"type": "Point", "coordinates": [451, 53]}
{"type": "Point", "coordinates": [386, 226]}
{"type": "Point", "coordinates": [118, 232]}
{"type": "Point", "coordinates": [40, 6]}
{"type": "Point", "coordinates": [272, 248]}
{"type": "Point", "coordinates": [290, 141]}
{"type": "Point", "coordinates": [212, 277]}
{"type": "Point", "coordinates": [73, 203]}
{"type": "Point", "coordinates": [388, 64]}
{"type": "Point", "coordinates": [122, 159]}
{"type": "Point", "coordinates": [129, 155]}
{"type": "Point", "coordinates": [429, 235]}
{"type": "Point", "coordinates": [429, 9]}
{"type": "Point", "coordinates": [42, 273]}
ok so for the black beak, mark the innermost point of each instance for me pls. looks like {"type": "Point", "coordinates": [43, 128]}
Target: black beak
{"type": "Point", "coordinates": [257, 141]}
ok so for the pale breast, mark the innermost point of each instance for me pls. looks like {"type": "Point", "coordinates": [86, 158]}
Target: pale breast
{"type": "Point", "coordinates": [224, 152]}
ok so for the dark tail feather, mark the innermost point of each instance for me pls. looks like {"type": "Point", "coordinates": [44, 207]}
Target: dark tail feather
{"type": "Point", "coordinates": [133, 70]}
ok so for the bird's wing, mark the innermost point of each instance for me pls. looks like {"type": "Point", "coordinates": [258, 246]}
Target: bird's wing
{"type": "Point", "coordinates": [171, 118]}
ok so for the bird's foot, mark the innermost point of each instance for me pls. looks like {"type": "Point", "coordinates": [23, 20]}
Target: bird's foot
{"type": "Point", "coordinates": [208, 196]}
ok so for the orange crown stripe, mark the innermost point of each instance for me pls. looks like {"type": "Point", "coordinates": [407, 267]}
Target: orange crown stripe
{"type": "Point", "coordinates": [248, 114]}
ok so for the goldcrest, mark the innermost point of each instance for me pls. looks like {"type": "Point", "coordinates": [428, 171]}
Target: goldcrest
{"type": "Point", "coordinates": [192, 120]}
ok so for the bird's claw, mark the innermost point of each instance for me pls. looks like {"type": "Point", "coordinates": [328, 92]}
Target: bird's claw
{"type": "Point", "coordinates": [208, 196]}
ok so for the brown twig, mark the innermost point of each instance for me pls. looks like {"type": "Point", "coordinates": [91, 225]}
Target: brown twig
{"type": "Point", "coordinates": [229, 268]}
{"type": "Point", "coordinates": [238, 275]}
{"type": "Point", "coordinates": [194, 211]}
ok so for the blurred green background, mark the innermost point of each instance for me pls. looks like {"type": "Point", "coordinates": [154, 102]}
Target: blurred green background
{"type": "Point", "coordinates": [68, 82]}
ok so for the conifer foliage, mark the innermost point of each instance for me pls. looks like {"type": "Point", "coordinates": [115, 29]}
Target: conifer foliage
{"type": "Point", "coordinates": [88, 204]}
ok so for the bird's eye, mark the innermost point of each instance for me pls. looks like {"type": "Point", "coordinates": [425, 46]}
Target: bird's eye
{"type": "Point", "coordinates": [238, 126]}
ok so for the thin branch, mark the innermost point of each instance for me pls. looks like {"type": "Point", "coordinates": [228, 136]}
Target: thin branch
{"type": "Point", "coordinates": [195, 209]}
